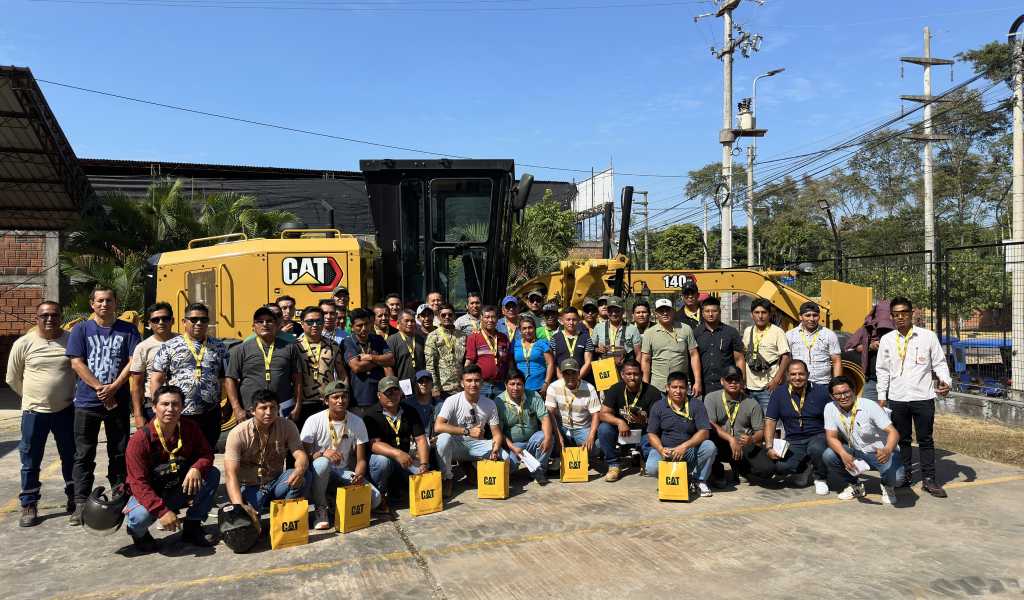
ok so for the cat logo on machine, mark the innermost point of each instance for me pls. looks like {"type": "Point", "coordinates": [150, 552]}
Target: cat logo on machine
{"type": "Point", "coordinates": [319, 273]}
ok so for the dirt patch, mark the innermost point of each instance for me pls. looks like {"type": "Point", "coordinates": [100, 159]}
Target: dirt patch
{"type": "Point", "coordinates": [980, 439]}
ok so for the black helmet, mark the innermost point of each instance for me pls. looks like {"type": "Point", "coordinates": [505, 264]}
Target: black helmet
{"type": "Point", "coordinates": [102, 514]}
{"type": "Point", "coordinates": [238, 529]}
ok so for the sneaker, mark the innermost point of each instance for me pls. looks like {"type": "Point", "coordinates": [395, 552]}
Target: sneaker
{"type": "Point", "coordinates": [705, 491]}
{"type": "Point", "coordinates": [145, 544]}
{"type": "Point", "coordinates": [613, 474]}
{"type": "Point", "coordinates": [76, 517]}
{"type": "Point", "coordinates": [29, 516]}
{"type": "Point", "coordinates": [854, 490]}
{"type": "Point", "coordinates": [322, 520]}
{"type": "Point", "coordinates": [888, 495]}
{"type": "Point", "coordinates": [933, 488]}
{"type": "Point", "coordinates": [541, 480]}
{"type": "Point", "coordinates": [821, 487]}
{"type": "Point", "coordinates": [907, 480]}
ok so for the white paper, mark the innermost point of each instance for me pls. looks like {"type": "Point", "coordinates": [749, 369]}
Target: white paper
{"type": "Point", "coordinates": [532, 464]}
{"type": "Point", "coordinates": [406, 386]}
{"type": "Point", "coordinates": [632, 438]}
{"type": "Point", "coordinates": [780, 446]}
{"type": "Point", "coordinates": [859, 466]}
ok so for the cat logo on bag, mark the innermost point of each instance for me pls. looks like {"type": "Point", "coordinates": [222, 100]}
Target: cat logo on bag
{"type": "Point", "coordinates": [426, 494]}
{"type": "Point", "coordinates": [318, 273]}
{"type": "Point", "coordinates": [490, 480]}
{"type": "Point", "coordinates": [290, 526]}
{"type": "Point", "coordinates": [671, 481]}
{"type": "Point", "coordinates": [574, 464]}
{"type": "Point", "coordinates": [358, 509]}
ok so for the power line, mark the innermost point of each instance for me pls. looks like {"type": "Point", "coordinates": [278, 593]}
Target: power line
{"type": "Point", "coordinates": [362, 8]}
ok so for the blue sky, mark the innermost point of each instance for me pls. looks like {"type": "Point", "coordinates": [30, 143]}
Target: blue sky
{"type": "Point", "coordinates": [632, 83]}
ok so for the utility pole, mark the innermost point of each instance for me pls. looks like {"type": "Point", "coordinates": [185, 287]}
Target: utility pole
{"type": "Point", "coordinates": [751, 154]}
{"type": "Point", "coordinates": [1016, 40]}
{"type": "Point", "coordinates": [647, 225]}
{"type": "Point", "coordinates": [705, 203]}
{"type": "Point", "coordinates": [927, 136]}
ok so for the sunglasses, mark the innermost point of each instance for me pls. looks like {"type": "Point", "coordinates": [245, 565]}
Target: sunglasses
{"type": "Point", "coordinates": [314, 322]}
{"type": "Point", "coordinates": [266, 322]}
{"type": "Point", "coordinates": [161, 320]}
{"type": "Point", "coordinates": [447, 315]}
{"type": "Point", "coordinates": [198, 320]}
{"type": "Point", "coordinates": [48, 317]}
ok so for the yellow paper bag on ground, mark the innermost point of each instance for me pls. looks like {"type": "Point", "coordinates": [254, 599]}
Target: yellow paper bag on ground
{"type": "Point", "coordinates": [492, 479]}
{"type": "Point", "coordinates": [575, 465]}
{"type": "Point", "coordinates": [353, 508]}
{"type": "Point", "coordinates": [672, 481]}
{"type": "Point", "coordinates": [425, 493]}
{"type": "Point", "coordinates": [605, 373]}
{"type": "Point", "coordinates": [289, 523]}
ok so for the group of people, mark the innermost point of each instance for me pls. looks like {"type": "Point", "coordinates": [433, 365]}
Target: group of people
{"type": "Point", "coordinates": [322, 396]}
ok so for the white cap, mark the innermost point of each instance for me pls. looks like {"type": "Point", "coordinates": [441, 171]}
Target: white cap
{"type": "Point", "coordinates": [662, 303]}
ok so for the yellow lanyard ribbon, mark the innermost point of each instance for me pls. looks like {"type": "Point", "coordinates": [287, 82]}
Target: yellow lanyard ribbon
{"type": "Point", "coordinates": [395, 423]}
{"type": "Point", "coordinates": [849, 424]}
{"type": "Point", "coordinates": [527, 352]}
{"type": "Point", "coordinates": [730, 415]}
{"type": "Point", "coordinates": [758, 338]}
{"type": "Point", "coordinates": [410, 343]}
{"type": "Point", "coordinates": [520, 410]}
{"type": "Point", "coordinates": [492, 346]}
{"type": "Point", "coordinates": [799, 409]}
{"type": "Point", "coordinates": [695, 315]}
{"type": "Point", "coordinates": [510, 328]}
{"type": "Point", "coordinates": [571, 345]}
{"type": "Point", "coordinates": [612, 333]}
{"type": "Point", "coordinates": [902, 344]}
{"type": "Point", "coordinates": [267, 357]}
{"type": "Point", "coordinates": [814, 340]}
{"type": "Point", "coordinates": [160, 434]}
{"type": "Point", "coordinates": [684, 413]}
{"type": "Point", "coordinates": [198, 356]}
{"type": "Point", "coordinates": [636, 398]}
{"type": "Point", "coordinates": [315, 356]}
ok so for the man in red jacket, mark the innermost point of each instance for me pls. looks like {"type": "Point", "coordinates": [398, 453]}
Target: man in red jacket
{"type": "Point", "coordinates": [170, 467]}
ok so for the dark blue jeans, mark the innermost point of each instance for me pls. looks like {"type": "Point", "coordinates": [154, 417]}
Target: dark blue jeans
{"type": "Point", "coordinates": [608, 438]}
{"type": "Point", "coordinates": [260, 497]}
{"type": "Point", "coordinates": [800, 451]}
{"type": "Point", "coordinates": [35, 428]}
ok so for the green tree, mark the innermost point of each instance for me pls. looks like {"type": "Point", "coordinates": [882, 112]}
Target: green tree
{"type": "Point", "coordinates": [676, 247]}
{"type": "Point", "coordinates": [540, 240]}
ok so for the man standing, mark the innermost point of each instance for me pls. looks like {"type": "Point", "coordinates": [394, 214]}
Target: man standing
{"type": "Point", "coordinates": [100, 349]}
{"type": "Point", "coordinates": [461, 427]}
{"type": "Point", "coordinates": [613, 338]}
{"type": "Point", "coordinates": [767, 353]}
{"type": "Point", "coordinates": [39, 371]}
{"type": "Point", "coordinates": [590, 315]}
{"type": "Point", "coordinates": [571, 342]}
{"type": "Point", "coordinates": [641, 319]}
{"type": "Point", "coordinates": [859, 429]}
{"type": "Point", "coordinates": [445, 351]}
{"type": "Point", "coordinates": [719, 344]}
{"type": "Point", "coordinates": [321, 360]}
{"type": "Point", "coordinates": [526, 425]}
{"type": "Point", "coordinates": [691, 311]}
{"type": "Point", "coordinates": [737, 425]}
{"type": "Point", "coordinates": [817, 346]}
{"type": "Point", "coordinates": [170, 467]}
{"type": "Point", "coordinates": [668, 347]}
{"type": "Point", "coordinates": [800, 407]}
{"type": "Point", "coordinates": [470, 322]}
{"type": "Point", "coordinates": [369, 360]}
{"type": "Point", "coordinates": [194, 363]}
{"type": "Point", "coordinates": [392, 428]}
{"type": "Point", "coordinates": [509, 324]}
{"type": "Point", "coordinates": [160, 318]}
{"type": "Point", "coordinates": [602, 308]}
{"type": "Point", "coordinates": [534, 304]}
{"type": "Point", "coordinates": [425, 320]}
{"type": "Point", "coordinates": [265, 362]}
{"type": "Point", "coordinates": [254, 459]}
{"type": "Point", "coordinates": [407, 347]}
{"type": "Point", "coordinates": [909, 358]}
{"type": "Point", "coordinates": [333, 314]}
{"type": "Point", "coordinates": [488, 349]}
{"type": "Point", "coordinates": [627, 405]}
{"type": "Point", "coordinates": [288, 324]}
{"type": "Point", "coordinates": [381, 321]}
{"type": "Point", "coordinates": [434, 301]}
{"type": "Point", "coordinates": [574, 407]}
{"type": "Point", "coordinates": [551, 325]}
{"type": "Point", "coordinates": [678, 430]}
{"type": "Point", "coordinates": [394, 304]}
{"type": "Point", "coordinates": [333, 438]}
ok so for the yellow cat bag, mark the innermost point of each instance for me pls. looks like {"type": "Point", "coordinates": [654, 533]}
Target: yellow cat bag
{"type": "Point", "coordinates": [425, 493]}
{"type": "Point", "coordinates": [575, 465]}
{"type": "Point", "coordinates": [492, 479]}
{"type": "Point", "coordinates": [353, 508]}
{"type": "Point", "coordinates": [672, 481]}
{"type": "Point", "coordinates": [289, 523]}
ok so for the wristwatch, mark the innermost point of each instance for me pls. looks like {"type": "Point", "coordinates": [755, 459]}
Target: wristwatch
{"type": "Point", "coordinates": [465, 430]}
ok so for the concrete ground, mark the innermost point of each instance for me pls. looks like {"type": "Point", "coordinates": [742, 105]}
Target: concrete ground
{"type": "Point", "coordinates": [581, 540]}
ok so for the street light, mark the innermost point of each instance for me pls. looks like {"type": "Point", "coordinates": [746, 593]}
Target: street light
{"type": "Point", "coordinates": [751, 151]}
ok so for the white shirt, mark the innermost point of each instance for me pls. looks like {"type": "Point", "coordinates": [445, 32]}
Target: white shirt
{"type": "Point", "coordinates": [816, 349]}
{"type": "Point", "coordinates": [458, 411]}
{"type": "Point", "coordinates": [908, 377]}
{"type": "Point", "coordinates": [583, 402]}
{"type": "Point", "coordinates": [316, 433]}
{"type": "Point", "coordinates": [868, 428]}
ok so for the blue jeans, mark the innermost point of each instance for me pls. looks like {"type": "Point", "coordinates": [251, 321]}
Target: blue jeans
{"type": "Point", "coordinates": [451, 448]}
{"type": "Point", "coordinates": [699, 459]}
{"type": "Point", "coordinates": [324, 473]}
{"type": "Point", "coordinates": [762, 397]}
{"type": "Point", "coordinates": [139, 519]}
{"type": "Point", "coordinates": [799, 452]}
{"type": "Point", "coordinates": [259, 497]}
{"type": "Point", "coordinates": [491, 390]}
{"type": "Point", "coordinates": [382, 468]}
{"type": "Point", "coordinates": [870, 390]}
{"type": "Point", "coordinates": [608, 438]}
{"type": "Point", "coordinates": [532, 446]}
{"type": "Point", "coordinates": [891, 472]}
{"type": "Point", "coordinates": [35, 427]}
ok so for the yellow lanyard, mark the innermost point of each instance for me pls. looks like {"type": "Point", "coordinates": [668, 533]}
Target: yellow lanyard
{"type": "Point", "coordinates": [264, 442]}
{"type": "Point", "coordinates": [730, 415]}
{"type": "Point", "coordinates": [410, 343]}
{"type": "Point", "coordinates": [814, 340]}
{"type": "Point", "coordinates": [510, 328]}
{"type": "Point", "coordinates": [494, 346]}
{"type": "Point", "coordinates": [160, 434]}
{"type": "Point", "coordinates": [695, 315]}
{"type": "Point", "coordinates": [571, 345]}
{"type": "Point", "coordinates": [671, 332]}
{"type": "Point", "coordinates": [317, 376]}
{"type": "Point", "coordinates": [625, 395]}
{"type": "Point", "coordinates": [527, 352]}
{"type": "Point", "coordinates": [395, 423]}
{"type": "Point", "coordinates": [520, 410]}
{"type": "Point", "coordinates": [612, 333]}
{"type": "Point", "coordinates": [335, 440]}
{"type": "Point", "coordinates": [569, 399]}
{"type": "Point", "coordinates": [848, 425]}
{"type": "Point", "coordinates": [448, 339]}
{"type": "Point", "coordinates": [267, 357]}
{"type": "Point", "coordinates": [198, 356]}
{"type": "Point", "coordinates": [902, 343]}
{"type": "Point", "coordinates": [799, 409]}
{"type": "Point", "coordinates": [684, 413]}
{"type": "Point", "coordinates": [757, 338]}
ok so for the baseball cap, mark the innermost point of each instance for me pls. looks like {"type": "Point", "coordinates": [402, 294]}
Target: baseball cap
{"type": "Point", "coordinates": [537, 293]}
{"type": "Point", "coordinates": [509, 300]}
{"type": "Point", "coordinates": [809, 307]}
{"type": "Point", "coordinates": [690, 287]}
{"type": "Point", "coordinates": [423, 373]}
{"type": "Point", "coordinates": [569, 364]}
{"type": "Point", "coordinates": [614, 302]}
{"type": "Point", "coordinates": [731, 373]}
{"type": "Point", "coordinates": [334, 387]}
{"type": "Point", "coordinates": [388, 383]}
{"type": "Point", "coordinates": [263, 311]}
{"type": "Point", "coordinates": [421, 308]}
{"type": "Point", "coordinates": [340, 289]}
{"type": "Point", "coordinates": [588, 301]}
{"type": "Point", "coordinates": [662, 303]}
{"type": "Point", "coordinates": [601, 299]}
{"type": "Point", "coordinates": [550, 307]}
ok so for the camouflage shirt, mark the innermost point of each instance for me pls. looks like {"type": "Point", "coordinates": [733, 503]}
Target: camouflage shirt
{"type": "Point", "coordinates": [446, 354]}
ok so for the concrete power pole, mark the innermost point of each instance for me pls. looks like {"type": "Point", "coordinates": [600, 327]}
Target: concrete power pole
{"type": "Point", "coordinates": [928, 136]}
{"type": "Point", "coordinates": [705, 203]}
{"type": "Point", "coordinates": [1016, 40]}
{"type": "Point", "coordinates": [647, 228]}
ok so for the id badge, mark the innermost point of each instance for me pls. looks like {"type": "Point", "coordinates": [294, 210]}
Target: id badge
{"type": "Point", "coordinates": [922, 360]}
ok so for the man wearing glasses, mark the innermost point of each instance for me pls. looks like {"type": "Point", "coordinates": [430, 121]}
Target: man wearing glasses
{"type": "Point", "coordinates": [264, 362]}
{"type": "Point", "coordinates": [160, 319]}
{"type": "Point", "coordinates": [194, 363]}
{"type": "Point", "coordinates": [322, 359]}
{"type": "Point", "coordinates": [39, 371]}
{"type": "Point", "coordinates": [445, 351]}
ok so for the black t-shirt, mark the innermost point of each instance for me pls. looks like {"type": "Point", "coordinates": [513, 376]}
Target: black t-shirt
{"type": "Point", "coordinates": [405, 367]}
{"type": "Point", "coordinates": [410, 426]}
{"type": "Point", "coordinates": [716, 348]}
{"type": "Point", "coordinates": [615, 398]}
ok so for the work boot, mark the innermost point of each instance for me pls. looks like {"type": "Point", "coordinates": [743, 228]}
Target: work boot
{"type": "Point", "coordinates": [76, 517]}
{"type": "Point", "coordinates": [145, 544]}
{"type": "Point", "coordinates": [69, 507]}
{"type": "Point", "coordinates": [193, 533]}
{"type": "Point", "coordinates": [446, 488]}
{"type": "Point", "coordinates": [613, 474]}
{"type": "Point", "coordinates": [29, 516]}
{"type": "Point", "coordinates": [933, 488]}
{"type": "Point", "coordinates": [908, 478]}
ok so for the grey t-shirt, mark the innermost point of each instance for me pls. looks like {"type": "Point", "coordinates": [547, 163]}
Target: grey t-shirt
{"type": "Point", "coordinates": [457, 411]}
{"type": "Point", "coordinates": [868, 428]}
{"type": "Point", "coordinates": [406, 363]}
{"type": "Point", "coordinates": [246, 366]}
{"type": "Point", "coordinates": [748, 417]}
{"type": "Point", "coordinates": [142, 361]}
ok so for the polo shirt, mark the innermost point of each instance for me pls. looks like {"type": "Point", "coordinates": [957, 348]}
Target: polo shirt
{"type": "Point", "coordinates": [674, 429]}
{"type": "Point", "coordinates": [867, 432]}
{"type": "Point", "coordinates": [669, 350]}
{"type": "Point", "coordinates": [493, 363]}
{"type": "Point", "coordinates": [246, 365]}
{"type": "Point", "coordinates": [746, 413]}
{"type": "Point", "coordinates": [519, 422]}
{"type": "Point", "coordinates": [815, 349]}
{"type": "Point", "coordinates": [562, 349]}
{"type": "Point", "coordinates": [771, 344]}
{"type": "Point", "coordinates": [410, 427]}
{"type": "Point", "coordinates": [364, 385]}
{"type": "Point", "coordinates": [780, 408]}
{"type": "Point", "coordinates": [582, 402]}
{"type": "Point", "coordinates": [616, 396]}
{"type": "Point", "coordinates": [468, 323]}
{"type": "Point", "coordinates": [406, 362]}
{"type": "Point", "coordinates": [245, 448]}
{"type": "Point", "coordinates": [716, 347]}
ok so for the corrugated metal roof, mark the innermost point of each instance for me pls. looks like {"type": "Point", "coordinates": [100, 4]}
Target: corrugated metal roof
{"type": "Point", "coordinates": [41, 183]}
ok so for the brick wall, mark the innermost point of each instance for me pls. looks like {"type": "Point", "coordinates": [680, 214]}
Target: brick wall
{"type": "Point", "coordinates": [21, 253]}
{"type": "Point", "coordinates": [22, 261]}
